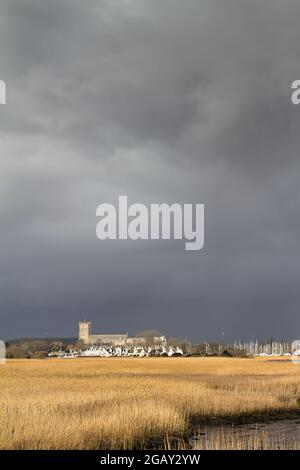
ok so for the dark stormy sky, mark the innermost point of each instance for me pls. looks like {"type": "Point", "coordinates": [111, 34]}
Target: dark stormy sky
{"type": "Point", "coordinates": [163, 101]}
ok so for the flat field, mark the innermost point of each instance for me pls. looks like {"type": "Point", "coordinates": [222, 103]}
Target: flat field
{"type": "Point", "coordinates": [125, 403]}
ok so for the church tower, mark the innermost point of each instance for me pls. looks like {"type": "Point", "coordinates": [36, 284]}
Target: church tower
{"type": "Point", "coordinates": [84, 331]}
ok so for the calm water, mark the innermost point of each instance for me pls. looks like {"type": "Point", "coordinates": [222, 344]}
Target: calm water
{"type": "Point", "coordinates": [276, 434]}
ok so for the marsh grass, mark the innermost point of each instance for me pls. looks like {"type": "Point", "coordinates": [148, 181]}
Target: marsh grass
{"type": "Point", "coordinates": [119, 403]}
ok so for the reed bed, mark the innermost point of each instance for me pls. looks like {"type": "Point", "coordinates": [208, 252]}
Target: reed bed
{"type": "Point", "coordinates": [126, 403]}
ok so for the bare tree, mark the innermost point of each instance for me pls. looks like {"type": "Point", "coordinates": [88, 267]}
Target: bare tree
{"type": "Point", "coordinates": [149, 336]}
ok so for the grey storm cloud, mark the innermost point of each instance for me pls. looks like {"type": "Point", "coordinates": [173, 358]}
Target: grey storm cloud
{"type": "Point", "coordinates": [164, 101]}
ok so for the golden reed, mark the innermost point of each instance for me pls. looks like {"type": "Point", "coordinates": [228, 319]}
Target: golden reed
{"type": "Point", "coordinates": [125, 403]}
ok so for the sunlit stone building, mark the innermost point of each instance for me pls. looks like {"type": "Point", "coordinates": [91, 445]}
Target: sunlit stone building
{"type": "Point", "coordinates": [86, 336]}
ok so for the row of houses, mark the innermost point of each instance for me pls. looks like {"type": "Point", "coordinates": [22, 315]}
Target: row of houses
{"type": "Point", "coordinates": [250, 348]}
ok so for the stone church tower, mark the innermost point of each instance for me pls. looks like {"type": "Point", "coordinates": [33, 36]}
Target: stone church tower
{"type": "Point", "coordinates": [84, 331]}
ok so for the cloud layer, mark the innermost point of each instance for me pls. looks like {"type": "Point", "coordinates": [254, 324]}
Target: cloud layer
{"type": "Point", "coordinates": [165, 102]}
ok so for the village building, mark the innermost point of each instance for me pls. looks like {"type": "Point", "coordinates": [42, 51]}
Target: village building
{"type": "Point", "coordinates": [86, 337]}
